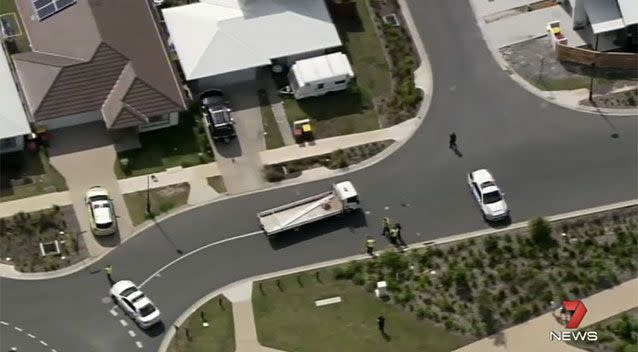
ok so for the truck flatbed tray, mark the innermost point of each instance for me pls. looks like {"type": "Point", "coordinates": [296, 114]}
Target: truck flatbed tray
{"type": "Point", "coordinates": [298, 215]}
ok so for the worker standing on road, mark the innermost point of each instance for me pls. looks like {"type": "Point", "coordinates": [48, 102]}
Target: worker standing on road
{"type": "Point", "coordinates": [453, 140]}
{"type": "Point", "coordinates": [109, 271]}
{"type": "Point", "coordinates": [394, 235]}
{"type": "Point", "coordinates": [370, 246]}
{"type": "Point", "coordinates": [386, 226]}
{"type": "Point", "coordinates": [399, 239]}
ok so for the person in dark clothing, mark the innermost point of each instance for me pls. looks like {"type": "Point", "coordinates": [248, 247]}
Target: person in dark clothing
{"type": "Point", "coordinates": [381, 323]}
{"type": "Point", "coordinates": [453, 140]}
{"type": "Point", "coordinates": [399, 239]}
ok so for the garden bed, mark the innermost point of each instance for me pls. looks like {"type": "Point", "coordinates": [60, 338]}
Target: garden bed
{"type": "Point", "coordinates": [24, 236]}
{"type": "Point", "coordinates": [618, 333]}
{"type": "Point", "coordinates": [163, 199]}
{"type": "Point", "coordinates": [620, 100]}
{"type": "Point", "coordinates": [480, 286]}
{"type": "Point", "coordinates": [217, 183]}
{"type": "Point", "coordinates": [338, 159]}
{"type": "Point", "coordinates": [271, 129]}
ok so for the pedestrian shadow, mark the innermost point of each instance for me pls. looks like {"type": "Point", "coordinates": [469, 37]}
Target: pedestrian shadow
{"type": "Point", "coordinates": [456, 151]}
{"type": "Point", "coordinates": [386, 336]}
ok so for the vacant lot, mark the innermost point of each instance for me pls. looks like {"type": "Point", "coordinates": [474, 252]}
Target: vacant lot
{"type": "Point", "coordinates": [287, 319]}
{"type": "Point", "coordinates": [218, 336]}
{"type": "Point", "coordinates": [162, 200]}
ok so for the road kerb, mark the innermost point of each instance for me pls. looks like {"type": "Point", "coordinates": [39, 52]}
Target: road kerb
{"type": "Point", "coordinates": [445, 240]}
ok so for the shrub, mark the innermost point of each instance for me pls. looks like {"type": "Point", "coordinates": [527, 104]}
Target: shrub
{"type": "Point", "coordinates": [521, 314]}
{"type": "Point", "coordinates": [393, 261]}
{"type": "Point", "coordinates": [338, 159]}
{"type": "Point", "coordinates": [273, 173]}
{"type": "Point", "coordinates": [166, 206]}
{"type": "Point", "coordinates": [125, 164]}
{"type": "Point", "coordinates": [541, 231]}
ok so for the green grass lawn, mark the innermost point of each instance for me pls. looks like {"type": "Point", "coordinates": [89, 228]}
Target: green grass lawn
{"type": "Point", "coordinates": [21, 41]}
{"type": "Point", "coordinates": [33, 168]}
{"type": "Point", "coordinates": [273, 135]}
{"type": "Point", "coordinates": [219, 336]}
{"type": "Point", "coordinates": [350, 111]}
{"type": "Point", "coordinates": [161, 149]}
{"type": "Point", "coordinates": [162, 200]}
{"type": "Point", "coordinates": [288, 319]}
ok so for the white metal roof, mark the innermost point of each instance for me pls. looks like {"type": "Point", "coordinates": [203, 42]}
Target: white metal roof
{"type": "Point", "coordinates": [629, 11]}
{"type": "Point", "coordinates": [213, 37]}
{"type": "Point", "coordinates": [604, 15]}
{"type": "Point", "coordinates": [320, 68]}
{"type": "Point", "coordinates": [13, 119]}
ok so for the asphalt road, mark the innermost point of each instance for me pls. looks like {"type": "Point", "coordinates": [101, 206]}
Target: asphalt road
{"type": "Point", "coordinates": [547, 159]}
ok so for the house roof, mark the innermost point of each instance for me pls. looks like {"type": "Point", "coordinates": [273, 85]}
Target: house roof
{"type": "Point", "coordinates": [80, 53]}
{"type": "Point", "coordinates": [219, 36]}
{"type": "Point", "coordinates": [604, 15]}
{"type": "Point", "coordinates": [13, 119]}
{"type": "Point", "coordinates": [629, 11]}
{"type": "Point", "coordinates": [320, 68]}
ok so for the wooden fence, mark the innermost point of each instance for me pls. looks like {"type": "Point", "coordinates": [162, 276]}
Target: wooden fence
{"type": "Point", "coordinates": [601, 59]}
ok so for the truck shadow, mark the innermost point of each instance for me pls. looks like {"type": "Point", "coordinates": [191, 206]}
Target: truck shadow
{"type": "Point", "coordinates": [355, 220]}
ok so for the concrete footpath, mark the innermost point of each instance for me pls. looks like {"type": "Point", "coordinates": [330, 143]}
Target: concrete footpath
{"type": "Point", "coordinates": [43, 201]}
{"type": "Point", "coordinates": [533, 335]}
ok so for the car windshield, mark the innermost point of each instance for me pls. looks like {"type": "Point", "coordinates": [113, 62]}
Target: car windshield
{"type": "Point", "coordinates": [147, 310]}
{"type": "Point", "coordinates": [103, 225]}
{"type": "Point", "coordinates": [138, 298]}
{"type": "Point", "coordinates": [492, 197]}
{"type": "Point", "coordinates": [128, 291]}
{"type": "Point", "coordinates": [97, 198]}
{"type": "Point", "coordinates": [487, 184]}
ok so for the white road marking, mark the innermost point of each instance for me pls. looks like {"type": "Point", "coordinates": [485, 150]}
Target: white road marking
{"type": "Point", "coordinates": [123, 322]}
{"type": "Point", "coordinates": [43, 343]}
{"type": "Point", "coordinates": [195, 251]}
{"type": "Point", "coordinates": [386, 207]}
{"type": "Point", "coordinates": [113, 312]}
{"type": "Point", "coordinates": [53, 350]}
{"type": "Point", "coordinates": [17, 328]}
{"type": "Point", "coordinates": [4, 323]}
{"type": "Point", "coordinates": [132, 333]}
{"type": "Point", "coordinates": [138, 344]}
{"type": "Point", "coordinates": [31, 336]}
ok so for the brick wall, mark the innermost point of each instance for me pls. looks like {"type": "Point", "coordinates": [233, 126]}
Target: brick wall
{"type": "Point", "coordinates": [588, 57]}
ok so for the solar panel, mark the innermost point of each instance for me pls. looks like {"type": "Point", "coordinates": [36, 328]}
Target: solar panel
{"type": "Point", "coordinates": [61, 4]}
{"type": "Point", "coordinates": [48, 8]}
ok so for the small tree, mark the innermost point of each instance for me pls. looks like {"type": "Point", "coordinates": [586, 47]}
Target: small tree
{"type": "Point", "coordinates": [541, 231]}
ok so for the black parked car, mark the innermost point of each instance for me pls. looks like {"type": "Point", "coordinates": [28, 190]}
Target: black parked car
{"type": "Point", "coordinates": [216, 111]}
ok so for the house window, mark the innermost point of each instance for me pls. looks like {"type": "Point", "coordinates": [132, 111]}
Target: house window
{"type": "Point", "coordinates": [341, 82]}
{"type": "Point", "coordinates": [320, 86]}
{"type": "Point", "coordinates": [158, 118]}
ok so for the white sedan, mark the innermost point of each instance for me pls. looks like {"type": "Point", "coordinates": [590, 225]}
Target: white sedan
{"type": "Point", "coordinates": [101, 215]}
{"type": "Point", "coordinates": [135, 303]}
{"type": "Point", "coordinates": [487, 195]}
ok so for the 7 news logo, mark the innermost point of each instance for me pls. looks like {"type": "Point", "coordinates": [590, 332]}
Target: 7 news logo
{"type": "Point", "coordinates": [576, 311]}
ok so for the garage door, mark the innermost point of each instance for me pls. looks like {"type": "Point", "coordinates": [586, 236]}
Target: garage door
{"type": "Point", "coordinates": [226, 79]}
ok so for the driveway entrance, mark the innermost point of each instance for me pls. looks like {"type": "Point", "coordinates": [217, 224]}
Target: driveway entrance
{"type": "Point", "coordinates": [239, 161]}
{"type": "Point", "coordinates": [85, 156]}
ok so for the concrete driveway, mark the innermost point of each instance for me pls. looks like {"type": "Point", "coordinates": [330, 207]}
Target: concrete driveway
{"type": "Point", "coordinates": [85, 156]}
{"type": "Point", "coordinates": [239, 161]}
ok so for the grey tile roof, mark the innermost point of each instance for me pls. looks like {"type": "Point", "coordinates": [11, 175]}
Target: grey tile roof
{"type": "Point", "coordinates": [105, 55]}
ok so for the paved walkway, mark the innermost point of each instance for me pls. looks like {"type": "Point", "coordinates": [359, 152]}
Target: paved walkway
{"type": "Point", "coordinates": [43, 201]}
{"type": "Point", "coordinates": [244, 320]}
{"type": "Point", "coordinates": [533, 335]}
{"type": "Point", "coordinates": [277, 106]}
